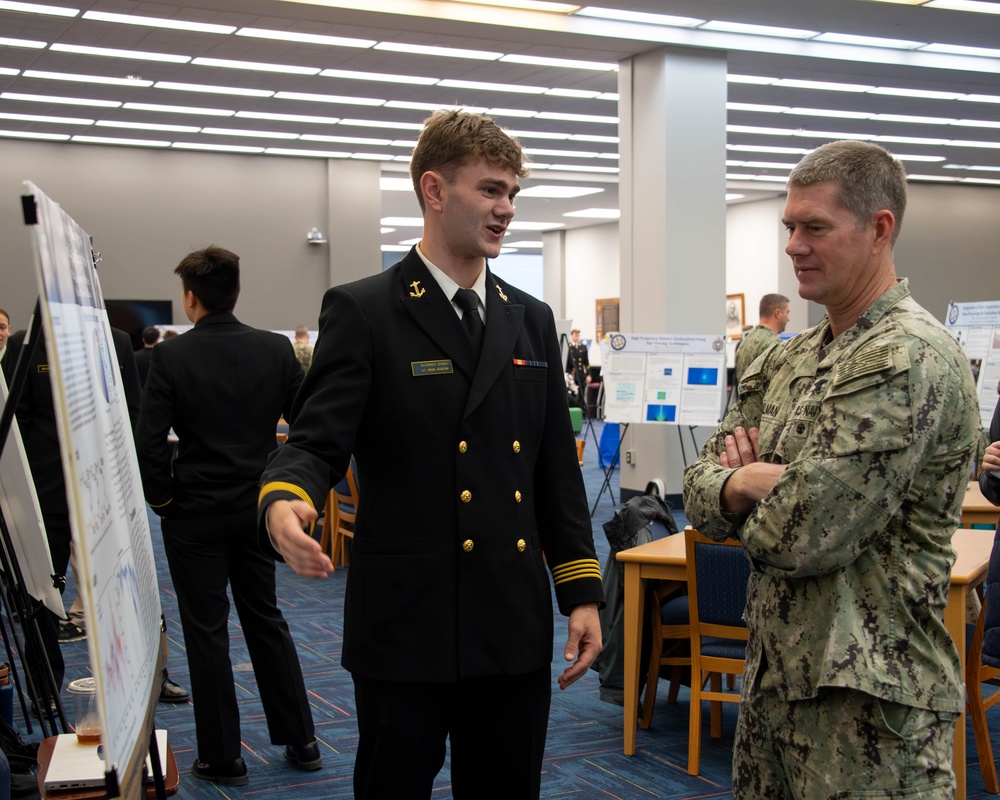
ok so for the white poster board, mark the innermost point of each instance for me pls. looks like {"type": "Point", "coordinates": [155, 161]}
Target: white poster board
{"type": "Point", "coordinates": [663, 378]}
{"type": "Point", "coordinates": [117, 574]}
{"type": "Point", "coordinates": [24, 519]}
{"type": "Point", "coordinates": [976, 326]}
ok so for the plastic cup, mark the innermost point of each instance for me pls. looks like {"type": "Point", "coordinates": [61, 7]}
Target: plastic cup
{"type": "Point", "coordinates": [87, 717]}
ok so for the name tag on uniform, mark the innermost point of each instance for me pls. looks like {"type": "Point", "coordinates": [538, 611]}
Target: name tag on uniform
{"type": "Point", "coordinates": [442, 366]}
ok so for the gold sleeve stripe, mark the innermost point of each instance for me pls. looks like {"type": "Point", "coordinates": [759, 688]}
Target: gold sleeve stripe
{"type": "Point", "coordinates": [576, 570]}
{"type": "Point", "coordinates": [282, 486]}
{"type": "Point", "coordinates": [161, 505]}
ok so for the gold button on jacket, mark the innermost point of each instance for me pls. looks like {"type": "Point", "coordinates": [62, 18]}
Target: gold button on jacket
{"type": "Point", "coordinates": [517, 446]}
{"type": "Point", "coordinates": [467, 545]}
{"type": "Point", "coordinates": [463, 446]}
{"type": "Point", "coordinates": [521, 545]}
{"type": "Point", "coordinates": [466, 496]}
{"type": "Point", "coordinates": [517, 496]}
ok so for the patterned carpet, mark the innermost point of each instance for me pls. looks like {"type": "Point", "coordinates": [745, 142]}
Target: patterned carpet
{"type": "Point", "coordinates": [584, 759]}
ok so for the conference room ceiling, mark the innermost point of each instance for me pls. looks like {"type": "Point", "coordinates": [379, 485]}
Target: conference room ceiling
{"type": "Point", "coordinates": [156, 90]}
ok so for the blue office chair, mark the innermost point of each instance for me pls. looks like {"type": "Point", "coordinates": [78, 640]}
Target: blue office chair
{"type": "Point", "coordinates": [717, 595]}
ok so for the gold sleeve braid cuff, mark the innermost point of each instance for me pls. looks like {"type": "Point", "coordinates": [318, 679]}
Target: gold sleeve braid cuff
{"type": "Point", "coordinates": [161, 505]}
{"type": "Point", "coordinates": [575, 570]}
{"type": "Point", "coordinates": [282, 486]}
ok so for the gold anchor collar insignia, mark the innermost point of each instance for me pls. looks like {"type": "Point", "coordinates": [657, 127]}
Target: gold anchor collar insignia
{"type": "Point", "coordinates": [500, 292]}
{"type": "Point", "coordinates": [417, 290]}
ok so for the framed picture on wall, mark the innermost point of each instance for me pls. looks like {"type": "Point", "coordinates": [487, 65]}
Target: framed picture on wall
{"type": "Point", "coordinates": [735, 315]}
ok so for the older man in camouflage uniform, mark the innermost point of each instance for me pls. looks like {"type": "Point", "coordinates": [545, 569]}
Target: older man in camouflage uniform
{"type": "Point", "coordinates": [842, 470]}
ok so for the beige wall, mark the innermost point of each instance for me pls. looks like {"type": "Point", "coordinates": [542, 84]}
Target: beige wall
{"type": "Point", "coordinates": [146, 209]}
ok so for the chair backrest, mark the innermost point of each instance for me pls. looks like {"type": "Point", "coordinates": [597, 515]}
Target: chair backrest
{"type": "Point", "coordinates": [345, 495]}
{"type": "Point", "coordinates": [717, 585]}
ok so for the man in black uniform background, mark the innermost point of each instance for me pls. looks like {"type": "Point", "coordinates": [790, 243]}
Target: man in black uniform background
{"type": "Point", "coordinates": [222, 387]}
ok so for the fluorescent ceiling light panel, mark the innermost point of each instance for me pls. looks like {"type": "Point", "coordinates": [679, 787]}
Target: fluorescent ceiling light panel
{"type": "Point", "coordinates": [868, 41]}
{"type": "Point", "coordinates": [158, 22]}
{"type": "Point", "coordinates": [933, 178]}
{"type": "Point", "coordinates": [540, 135]}
{"type": "Point", "coordinates": [755, 80]}
{"type": "Point", "coordinates": [319, 137]}
{"type": "Point", "coordinates": [429, 50]}
{"type": "Point", "coordinates": [830, 86]}
{"type": "Point", "coordinates": [961, 50]}
{"type": "Point", "coordinates": [925, 94]}
{"type": "Point", "coordinates": [964, 5]}
{"type": "Point", "coordinates": [76, 78]}
{"type": "Point", "coordinates": [257, 66]}
{"type": "Point", "coordinates": [403, 222]}
{"type": "Point", "coordinates": [249, 133]}
{"type": "Point", "coordinates": [578, 168]}
{"type": "Point", "coordinates": [525, 244]}
{"type": "Point", "coordinates": [43, 118]}
{"type": "Point", "coordinates": [761, 148]}
{"type": "Point", "coordinates": [990, 181]}
{"type": "Point", "coordinates": [981, 98]}
{"type": "Point", "coordinates": [377, 123]}
{"type": "Point", "coordinates": [586, 137]}
{"type": "Point", "coordinates": [767, 165]}
{"type": "Point", "coordinates": [577, 118]}
{"type": "Point", "coordinates": [121, 142]}
{"type": "Point", "coordinates": [560, 191]}
{"type": "Point", "coordinates": [526, 5]}
{"type": "Point", "coordinates": [639, 16]}
{"type": "Point", "coordinates": [511, 88]}
{"type": "Point", "coordinates": [112, 52]}
{"type": "Point", "coordinates": [395, 248]}
{"type": "Point", "coordinates": [537, 151]}
{"type": "Point", "coordinates": [382, 77]}
{"type": "Point", "coordinates": [201, 87]}
{"type": "Point", "coordinates": [30, 44]}
{"type": "Point", "coordinates": [518, 113]}
{"type": "Point", "coordinates": [168, 109]}
{"type": "Point", "coordinates": [911, 140]}
{"type": "Point", "coordinates": [38, 8]}
{"type": "Point", "coordinates": [831, 112]}
{"type": "Point", "coordinates": [757, 30]}
{"type": "Point", "coordinates": [68, 101]}
{"type": "Point", "coordinates": [8, 71]}
{"type": "Point", "coordinates": [756, 107]}
{"type": "Point", "coordinates": [410, 242]}
{"type": "Point", "coordinates": [305, 38]}
{"type": "Point", "coordinates": [218, 148]}
{"type": "Point", "coordinates": [614, 97]}
{"type": "Point", "coordinates": [576, 93]}
{"type": "Point", "coordinates": [733, 196]}
{"type": "Point", "coordinates": [373, 156]}
{"type": "Point", "coordinates": [433, 106]}
{"type": "Point", "coordinates": [899, 157]}
{"type": "Point", "coordinates": [568, 63]}
{"type": "Point", "coordinates": [914, 119]}
{"type": "Point", "coordinates": [288, 117]}
{"type": "Point", "coordinates": [49, 137]}
{"type": "Point", "coordinates": [146, 126]}
{"type": "Point", "coordinates": [387, 230]}
{"type": "Point", "coordinates": [291, 151]}
{"type": "Point", "coordinates": [330, 98]}
{"type": "Point", "coordinates": [977, 123]}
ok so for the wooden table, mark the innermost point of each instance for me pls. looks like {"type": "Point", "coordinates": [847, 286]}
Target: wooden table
{"type": "Point", "coordinates": [976, 509]}
{"type": "Point", "coordinates": [664, 559]}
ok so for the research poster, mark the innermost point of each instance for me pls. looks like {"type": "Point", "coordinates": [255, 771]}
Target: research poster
{"type": "Point", "coordinates": [663, 379]}
{"type": "Point", "coordinates": [117, 576]}
{"type": "Point", "coordinates": [976, 326]}
{"type": "Point", "coordinates": [24, 519]}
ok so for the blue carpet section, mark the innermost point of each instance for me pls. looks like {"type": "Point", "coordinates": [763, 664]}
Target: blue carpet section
{"type": "Point", "coordinates": [584, 759]}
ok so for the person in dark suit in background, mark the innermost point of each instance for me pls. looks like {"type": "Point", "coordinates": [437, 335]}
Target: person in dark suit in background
{"type": "Point", "coordinates": [7, 364]}
{"type": "Point", "coordinates": [150, 336]}
{"type": "Point", "coordinates": [578, 366]}
{"type": "Point", "coordinates": [222, 387]}
{"type": "Point", "coordinates": [468, 486]}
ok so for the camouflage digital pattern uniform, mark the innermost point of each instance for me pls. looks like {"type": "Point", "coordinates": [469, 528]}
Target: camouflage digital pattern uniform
{"type": "Point", "coordinates": [754, 342]}
{"type": "Point", "coordinates": [851, 550]}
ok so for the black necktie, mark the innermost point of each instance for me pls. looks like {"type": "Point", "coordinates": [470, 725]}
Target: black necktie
{"type": "Point", "coordinates": [468, 301]}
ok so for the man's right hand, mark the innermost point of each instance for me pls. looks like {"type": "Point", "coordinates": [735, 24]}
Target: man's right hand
{"type": "Point", "coordinates": [287, 521]}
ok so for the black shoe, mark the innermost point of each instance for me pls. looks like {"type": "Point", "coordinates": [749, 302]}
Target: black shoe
{"type": "Point", "coordinates": [170, 692]}
{"type": "Point", "coordinates": [304, 756]}
{"type": "Point", "coordinates": [37, 712]}
{"type": "Point", "coordinates": [70, 632]}
{"type": "Point", "coordinates": [232, 774]}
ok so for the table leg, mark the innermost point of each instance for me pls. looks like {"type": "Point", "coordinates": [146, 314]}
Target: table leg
{"type": "Point", "coordinates": [954, 621]}
{"type": "Point", "coordinates": [635, 597]}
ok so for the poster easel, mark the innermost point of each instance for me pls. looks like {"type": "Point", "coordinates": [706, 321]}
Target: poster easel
{"type": "Point", "coordinates": [107, 511]}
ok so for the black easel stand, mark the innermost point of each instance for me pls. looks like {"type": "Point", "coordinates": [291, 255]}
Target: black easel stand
{"type": "Point", "coordinates": [609, 471]}
{"type": "Point", "coordinates": [15, 596]}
